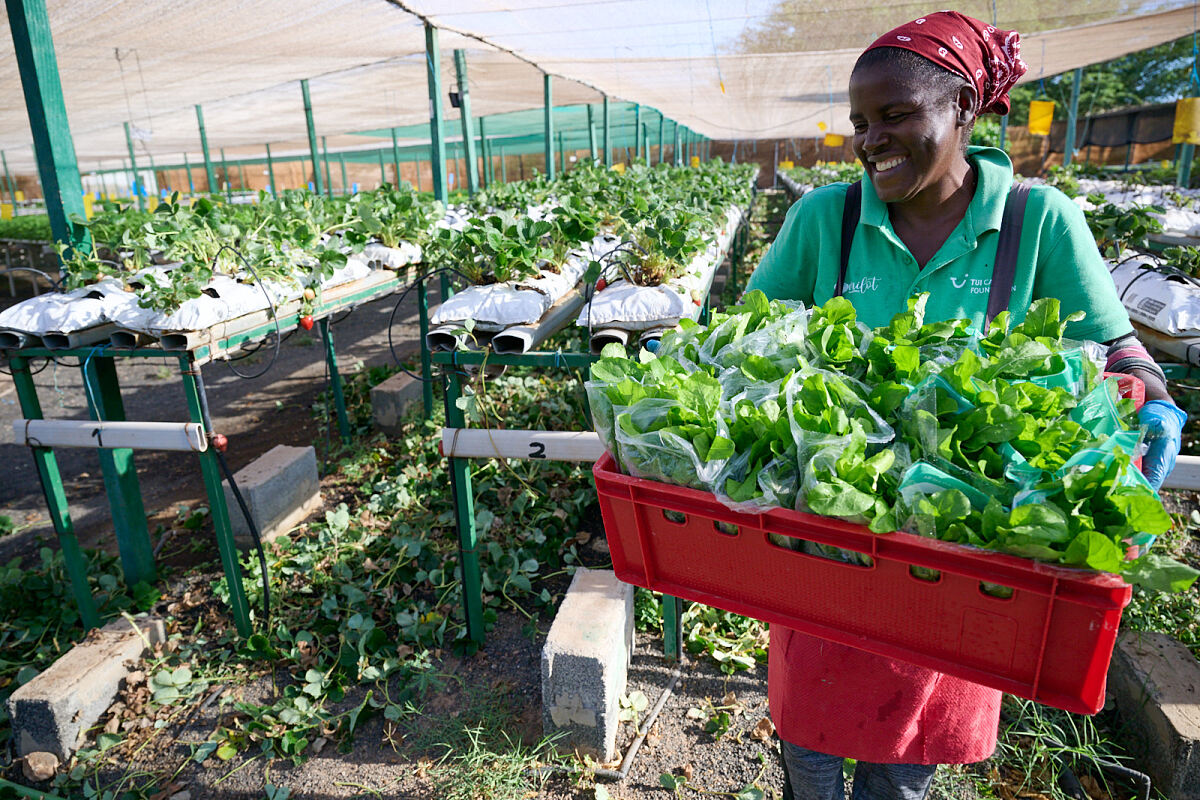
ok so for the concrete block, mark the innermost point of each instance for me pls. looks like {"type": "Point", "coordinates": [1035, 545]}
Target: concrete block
{"type": "Point", "coordinates": [585, 663]}
{"type": "Point", "coordinates": [392, 399]}
{"type": "Point", "coordinates": [280, 487]}
{"type": "Point", "coordinates": [51, 711]}
{"type": "Point", "coordinates": [1156, 683]}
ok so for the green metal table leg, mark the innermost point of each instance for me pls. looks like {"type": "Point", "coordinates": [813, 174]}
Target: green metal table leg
{"type": "Point", "coordinates": [335, 381]}
{"type": "Point", "coordinates": [56, 499]}
{"type": "Point", "coordinates": [426, 363]}
{"type": "Point", "coordinates": [464, 509]}
{"type": "Point", "coordinates": [120, 473]}
{"type": "Point", "coordinates": [211, 471]}
{"type": "Point", "coordinates": [672, 628]}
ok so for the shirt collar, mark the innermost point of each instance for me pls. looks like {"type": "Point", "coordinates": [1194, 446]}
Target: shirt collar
{"type": "Point", "coordinates": [995, 173]}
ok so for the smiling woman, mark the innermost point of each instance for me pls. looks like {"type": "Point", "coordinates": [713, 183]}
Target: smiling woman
{"type": "Point", "coordinates": [930, 215]}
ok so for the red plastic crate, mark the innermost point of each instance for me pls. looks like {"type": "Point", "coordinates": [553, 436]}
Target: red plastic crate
{"type": "Point", "coordinates": [1051, 641]}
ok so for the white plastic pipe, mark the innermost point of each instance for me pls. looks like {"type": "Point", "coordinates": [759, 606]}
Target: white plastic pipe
{"type": "Point", "coordinates": [186, 436]}
{"type": "Point", "coordinates": [535, 445]}
{"type": "Point", "coordinates": [523, 338]}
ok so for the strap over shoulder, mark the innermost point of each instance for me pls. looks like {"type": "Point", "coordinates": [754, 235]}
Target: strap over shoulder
{"type": "Point", "coordinates": [1009, 245]}
{"type": "Point", "coordinates": [850, 215]}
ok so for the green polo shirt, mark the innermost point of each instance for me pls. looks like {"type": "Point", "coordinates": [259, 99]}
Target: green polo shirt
{"type": "Point", "coordinates": [1057, 257]}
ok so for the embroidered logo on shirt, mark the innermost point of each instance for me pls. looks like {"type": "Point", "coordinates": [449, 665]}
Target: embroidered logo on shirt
{"type": "Point", "coordinates": [978, 286]}
{"type": "Point", "coordinates": [861, 286]}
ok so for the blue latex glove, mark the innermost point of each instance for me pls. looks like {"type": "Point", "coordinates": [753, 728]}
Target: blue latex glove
{"type": "Point", "coordinates": [1163, 421]}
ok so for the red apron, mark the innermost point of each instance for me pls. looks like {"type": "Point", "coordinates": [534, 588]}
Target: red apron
{"type": "Point", "coordinates": [842, 701]}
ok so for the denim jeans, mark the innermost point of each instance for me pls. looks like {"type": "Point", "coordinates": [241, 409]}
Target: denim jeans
{"type": "Point", "coordinates": [809, 775]}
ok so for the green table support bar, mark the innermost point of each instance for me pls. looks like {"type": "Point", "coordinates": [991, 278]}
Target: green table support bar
{"type": "Point", "coordinates": [335, 380]}
{"type": "Point", "coordinates": [464, 113]}
{"type": "Point", "coordinates": [548, 102]}
{"type": "Point", "coordinates": [211, 472]}
{"type": "Point", "coordinates": [56, 499]}
{"type": "Point", "coordinates": [53, 147]}
{"type": "Point", "coordinates": [534, 359]}
{"type": "Point", "coordinates": [120, 472]}
{"type": "Point", "coordinates": [208, 164]}
{"type": "Point", "coordinates": [423, 332]}
{"type": "Point", "coordinates": [464, 511]}
{"type": "Point", "coordinates": [672, 611]}
{"type": "Point", "coordinates": [271, 171]}
{"type": "Point", "coordinates": [313, 153]}
{"type": "Point", "coordinates": [225, 177]}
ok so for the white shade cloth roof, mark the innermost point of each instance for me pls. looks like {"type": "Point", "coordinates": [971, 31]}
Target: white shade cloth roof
{"type": "Point", "coordinates": [783, 64]}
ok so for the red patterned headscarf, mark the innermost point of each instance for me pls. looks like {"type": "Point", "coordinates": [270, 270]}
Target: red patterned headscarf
{"type": "Point", "coordinates": [987, 57]}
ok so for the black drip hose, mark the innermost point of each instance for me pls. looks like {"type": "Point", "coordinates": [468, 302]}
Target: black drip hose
{"type": "Point", "coordinates": [237, 494]}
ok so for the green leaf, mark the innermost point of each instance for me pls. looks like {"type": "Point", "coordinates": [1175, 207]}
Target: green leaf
{"type": "Point", "coordinates": [1159, 573]}
{"type": "Point", "coordinates": [669, 781]}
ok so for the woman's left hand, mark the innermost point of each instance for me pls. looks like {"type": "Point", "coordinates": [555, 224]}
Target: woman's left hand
{"type": "Point", "coordinates": [1164, 422]}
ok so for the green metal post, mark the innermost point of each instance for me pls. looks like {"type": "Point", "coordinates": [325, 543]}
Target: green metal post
{"type": "Point", "coordinates": [485, 150]}
{"type": "Point", "coordinates": [676, 154]}
{"type": "Point", "coordinates": [437, 144]}
{"type": "Point", "coordinates": [120, 473]}
{"type": "Point", "coordinates": [271, 172]}
{"type": "Point", "coordinates": [137, 182]}
{"type": "Point", "coordinates": [662, 121]}
{"type": "Point", "coordinates": [313, 152]}
{"type": "Point", "coordinates": [1186, 152]}
{"type": "Point", "coordinates": [225, 177]}
{"type": "Point", "coordinates": [325, 161]}
{"type": "Point", "coordinates": [188, 168]}
{"type": "Point", "coordinates": [562, 153]}
{"type": "Point", "coordinates": [1072, 118]}
{"type": "Point", "coordinates": [335, 381]}
{"type": "Point", "coordinates": [548, 102]}
{"type": "Point", "coordinates": [672, 628]}
{"type": "Point", "coordinates": [52, 144]}
{"type": "Point", "coordinates": [464, 508]}
{"type": "Point", "coordinates": [345, 183]}
{"type": "Point", "coordinates": [9, 182]}
{"type": "Point", "coordinates": [607, 134]}
{"type": "Point", "coordinates": [503, 166]}
{"type": "Point", "coordinates": [382, 170]}
{"type": "Point", "coordinates": [637, 126]}
{"type": "Point", "coordinates": [423, 332]}
{"type": "Point", "coordinates": [396, 159]}
{"type": "Point", "coordinates": [56, 499]}
{"type": "Point", "coordinates": [1004, 132]}
{"type": "Point", "coordinates": [210, 470]}
{"type": "Point", "coordinates": [208, 164]}
{"type": "Point", "coordinates": [464, 112]}
{"type": "Point", "coordinates": [242, 176]}
{"type": "Point", "coordinates": [592, 131]}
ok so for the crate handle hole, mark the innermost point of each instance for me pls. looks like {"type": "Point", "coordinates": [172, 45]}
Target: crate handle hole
{"type": "Point", "coordinates": [678, 517]}
{"type": "Point", "coordinates": [996, 590]}
{"type": "Point", "coordinates": [925, 574]}
{"type": "Point", "coordinates": [727, 528]}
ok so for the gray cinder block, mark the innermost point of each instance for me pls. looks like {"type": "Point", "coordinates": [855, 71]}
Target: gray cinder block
{"type": "Point", "coordinates": [1156, 682]}
{"type": "Point", "coordinates": [51, 711]}
{"type": "Point", "coordinates": [585, 662]}
{"type": "Point", "coordinates": [392, 399]}
{"type": "Point", "coordinates": [281, 487]}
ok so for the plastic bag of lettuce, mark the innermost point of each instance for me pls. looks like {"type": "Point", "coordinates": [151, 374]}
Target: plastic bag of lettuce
{"type": "Point", "coordinates": [1012, 441]}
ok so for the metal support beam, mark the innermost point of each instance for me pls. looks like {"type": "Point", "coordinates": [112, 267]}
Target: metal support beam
{"type": "Point", "coordinates": [464, 511]}
{"type": "Point", "coordinates": [637, 126]}
{"type": "Point", "coordinates": [225, 177]}
{"type": "Point", "coordinates": [56, 499]}
{"type": "Point", "coordinates": [208, 164]}
{"type": "Point", "coordinates": [325, 161]}
{"type": "Point", "coordinates": [548, 102]}
{"type": "Point", "coordinates": [1186, 152]}
{"type": "Point", "coordinates": [9, 182]}
{"type": "Point", "coordinates": [335, 381]}
{"type": "Point", "coordinates": [120, 474]}
{"type": "Point", "coordinates": [662, 121]}
{"type": "Point", "coordinates": [437, 144]}
{"type": "Point", "coordinates": [314, 153]}
{"type": "Point", "coordinates": [345, 182]}
{"type": "Point", "coordinates": [562, 153]}
{"type": "Point", "coordinates": [607, 134]}
{"type": "Point", "coordinates": [210, 471]}
{"type": "Point", "coordinates": [382, 170]}
{"type": "Point", "coordinates": [52, 143]}
{"type": "Point", "coordinates": [485, 149]}
{"type": "Point", "coordinates": [592, 130]}
{"type": "Point", "coordinates": [676, 153]}
{"type": "Point", "coordinates": [271, 172]}
{"type": "Point", "coordinates": [1072, 118]}
{"type": "Point", "coordinates": [646, 142]}
{"type": "Point", "coordinates": [188, 168]}
{"type": "Point", "coordinates": [503, 165]}
{"type": "Point", "coordinates": [396, 159]}
{"type": "Point", "coordinates": [464, 112]}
